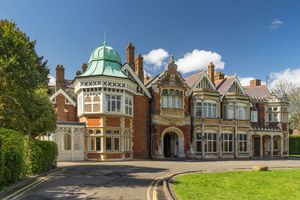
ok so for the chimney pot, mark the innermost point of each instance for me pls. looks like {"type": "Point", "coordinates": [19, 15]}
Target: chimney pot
{"type": "Point", "coordinates": [255, 82]}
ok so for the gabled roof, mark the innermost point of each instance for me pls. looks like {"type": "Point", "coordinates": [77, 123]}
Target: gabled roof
{"type": "Point", "coordinates": [194, 78]}
{"type": "Point", "coordinates": [261, 91]}
{"type": "Point", "coordinates": [224, 85]}
{"type": "Point", "coordinates": [136, 78]}
{"type": "Point", "coordinates": [61, 91]}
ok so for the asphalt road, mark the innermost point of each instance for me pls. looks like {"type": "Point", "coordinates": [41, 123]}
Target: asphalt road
{"type": "Point", "coordinates": [126, 180]}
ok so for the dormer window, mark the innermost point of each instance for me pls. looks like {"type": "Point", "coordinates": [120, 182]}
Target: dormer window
{"type": "Point", "coordinates": [171, 98]}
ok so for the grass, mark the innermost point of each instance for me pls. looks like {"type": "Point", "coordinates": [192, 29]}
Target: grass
{"type": "Point", "coordinates": [294, 155]}
{"type": "Point", "coordinates": [277, 184]}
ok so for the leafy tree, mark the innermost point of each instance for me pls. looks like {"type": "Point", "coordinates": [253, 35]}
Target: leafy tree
{"type": "Point", "coordinates": [24, 104]}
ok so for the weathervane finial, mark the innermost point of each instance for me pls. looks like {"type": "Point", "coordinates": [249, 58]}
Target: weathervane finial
{"type": "Point", "coordinates": [104, 42]}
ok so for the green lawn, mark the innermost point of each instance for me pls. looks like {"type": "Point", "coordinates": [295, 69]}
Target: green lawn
{"type": "Point", "coordinates": [277, 184]}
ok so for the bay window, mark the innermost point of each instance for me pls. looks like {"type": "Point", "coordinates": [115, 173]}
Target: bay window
{"type": "Point", "coordinates": [94, 140]}
{"type": "Point", "coordinates": [198, 109]}
{"type": "Point", "coordinates": [206, 109]}
{"type": "Point", "coordinates": [128, 106]}
{"type": "Point", "coordinates": [91, 103]}
{"type": "Point", "coordinates": [171, 98]}
{"type": "Point", "coordinates": [241, 112]}
{"type": "Point", "coordinates": [113, 103]}
{"type": "Point", "coordinates": [112, 139]}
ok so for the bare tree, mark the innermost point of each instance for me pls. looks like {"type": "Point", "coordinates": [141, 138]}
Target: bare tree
{"type": "Point", "coordinates": [286, 89]}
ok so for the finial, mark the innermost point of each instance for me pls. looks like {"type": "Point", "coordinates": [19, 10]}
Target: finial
{"type": "Point", "coordinates": [104, 42]}
{"type": "Point", "coordinates": [172, 57]}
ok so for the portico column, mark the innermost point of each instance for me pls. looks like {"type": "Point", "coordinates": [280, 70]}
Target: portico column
{"type": "Point", "coordinates": [261, 145]}
{"type": "Point", "coordinates": [281, 146]}
{"type": "Point", "coordinates": [72, 142]}
{"type": "Point", "coordinates": [272, 146]}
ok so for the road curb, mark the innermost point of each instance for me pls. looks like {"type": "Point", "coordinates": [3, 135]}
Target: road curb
{"type": "Point", "coordinates": [19, 185]}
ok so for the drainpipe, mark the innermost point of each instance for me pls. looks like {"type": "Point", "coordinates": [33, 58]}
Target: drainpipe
{"type": "Point", "coordinates": [149, 130]}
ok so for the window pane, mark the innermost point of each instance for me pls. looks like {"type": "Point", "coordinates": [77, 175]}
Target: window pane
{"type": "Point", "coordinates": [67, 141]}
{"type": "Point", "coordinates": [98, 143]}
{"type": "Point", "coordinates": [117, 144]}
{"type": "Point", "coordinates": [108, 143]}
{"type": "Point", "coordinates": [199, 146]}
{"type": "Point", "coordinates": [165, 101]}
{"type": "Point", "coordinates": [91, 144]}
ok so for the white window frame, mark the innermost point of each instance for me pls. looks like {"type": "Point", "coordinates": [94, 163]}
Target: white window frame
{"type": "Point", "coordinates": [227, 142]}
{"type": "Point", "coordinates": [254, 116]}
{"type": "Point", "coordinates": [112, 102]}
{"type": "Point", "coordinates": [242, 142]}
{"type": "Point", "coordinates": [210, 143]}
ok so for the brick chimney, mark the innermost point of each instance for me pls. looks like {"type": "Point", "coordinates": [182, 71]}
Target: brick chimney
{"type": "Point", "coordinates": [84, 67]}
{"type": "Point", "coordinates": [130, 56]}
{"type": "Point", "coordinates": [139, 69]}
{"type": "Point", "coordinates": [146, 78]}
{"type": "Point", "coordinates": [211, 72]}
{"type": "Point", "coordinates": [60, 77]}
{"type": "Point", "coordinates": [219, 76]}
{"type": "Point", "coordinates": [255, 82]}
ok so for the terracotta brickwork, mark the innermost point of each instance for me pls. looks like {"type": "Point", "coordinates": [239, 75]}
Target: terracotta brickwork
{"type": "Point", "coordinates": [127, 122]}
{"type": "Point", "coordinates": [140, 127]}
{"type": "Point", "coordinates": [92, 122]}
{"type": "Point", "coordinates": [113, 121]}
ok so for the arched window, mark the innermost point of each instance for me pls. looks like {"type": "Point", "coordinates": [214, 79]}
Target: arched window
{"type": "Point", "coordinates": [96, 103]}
{"type": "Point", "coordinates": [88, 104]}
{"type": "Point", "coordinates": [67, 141]}
{"type": "Point", "coordinates": [77, 143]}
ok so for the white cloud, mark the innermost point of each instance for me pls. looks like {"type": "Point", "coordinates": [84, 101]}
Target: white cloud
{"type": "Point", "coordinates": [147, 73]}
{"type": "Point", "coordinates": [198, 60]}
{"type": "Point", "coordinates": [156, 58]}
{"type": "Point", "coordinates": [276, 23]}
{"type": "Point", "coordinates": [289, 75]}
{"type": "Point", "coordinates": [52, 80]}
{"type": "Point", "coordinates": [245, 81]}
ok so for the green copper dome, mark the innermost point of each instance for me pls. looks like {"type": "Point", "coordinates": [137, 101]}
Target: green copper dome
{"type": "Point", "coordinates": [104, 61]}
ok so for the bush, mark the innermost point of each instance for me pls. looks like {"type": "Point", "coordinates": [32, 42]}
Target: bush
{"type": "Point", "coordinates": [42, 156]}
{"type": "Point", "coordinates": [294, 144]}
{"type": "Point", "coordinates": [12, 154]}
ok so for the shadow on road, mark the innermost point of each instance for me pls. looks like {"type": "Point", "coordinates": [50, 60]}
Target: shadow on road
{"type": "Point", "coordinates": [93, 181]}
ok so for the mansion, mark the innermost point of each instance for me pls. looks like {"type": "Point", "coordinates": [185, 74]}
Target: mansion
{"type": "Point", "coordinates": [112, 111]}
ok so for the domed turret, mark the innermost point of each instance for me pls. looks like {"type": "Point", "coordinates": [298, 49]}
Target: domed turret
{"type": "Point", "coordinates": [104, 61]}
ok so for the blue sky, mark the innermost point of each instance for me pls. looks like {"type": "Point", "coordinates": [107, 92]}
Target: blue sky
{"type": "Point", "coordinates": [248, 38]}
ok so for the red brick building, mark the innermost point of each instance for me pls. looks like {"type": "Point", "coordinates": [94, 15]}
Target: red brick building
{"type": "Point", "coordinates": [111, 111]}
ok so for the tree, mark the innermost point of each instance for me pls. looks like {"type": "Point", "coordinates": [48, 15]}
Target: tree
{"type": "Point", "coordinates": [286, 89]}
{"type": "Point", "coordinates": [24, 104]}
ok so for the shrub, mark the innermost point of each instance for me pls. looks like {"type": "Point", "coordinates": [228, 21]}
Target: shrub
{"type": "Point", "coordinates": [12, 154]}
{"type": "Point", "coordinates": [42, 156]}
{"type": "Point", "coordinates": [294, 144]}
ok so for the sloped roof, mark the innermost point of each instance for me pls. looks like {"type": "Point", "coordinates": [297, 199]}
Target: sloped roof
{"type": "Point", "coordinates": [224, 85]}
{"type": "Point", "coordinates": [194, 78]}
{"type": "Point", "coordinates": [261, 91]}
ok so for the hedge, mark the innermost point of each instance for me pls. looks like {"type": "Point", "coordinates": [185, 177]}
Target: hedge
{"type": "Point", "coordinates": [42, 156]}
{"type": "Point", "coordinates": [294, 145]}
{"type": "Point", "coordinates": [12, 156]}
{"type": "Point", "coordinates": [20, 157]}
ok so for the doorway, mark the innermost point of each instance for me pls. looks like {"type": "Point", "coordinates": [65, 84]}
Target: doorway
{"type": "Point", "coordinates": [170, 145]}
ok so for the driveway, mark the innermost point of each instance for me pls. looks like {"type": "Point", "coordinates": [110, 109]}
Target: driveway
{"type": "Point", "coordinates": [126, 179]}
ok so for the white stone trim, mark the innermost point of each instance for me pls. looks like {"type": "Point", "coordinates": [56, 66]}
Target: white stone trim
{"type": "Point", "coordinates": [61, 91]}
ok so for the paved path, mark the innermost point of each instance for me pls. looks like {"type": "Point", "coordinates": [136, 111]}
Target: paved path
{"type": "Point", "coordinates": [126, 179]}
